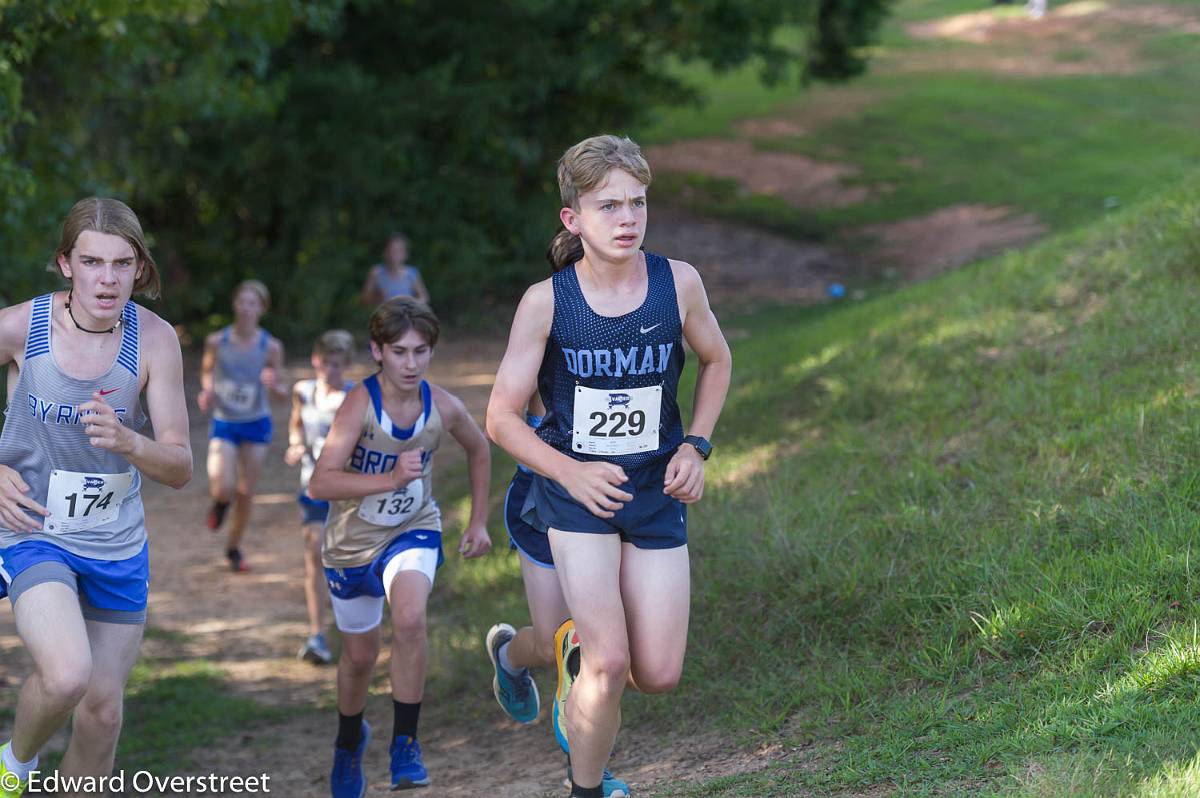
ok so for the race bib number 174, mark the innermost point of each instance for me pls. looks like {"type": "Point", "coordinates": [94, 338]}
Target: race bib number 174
{"type": "Point", "coordinates": [79, 501]}
{"type": "Point", "coordinates": [623, 421]}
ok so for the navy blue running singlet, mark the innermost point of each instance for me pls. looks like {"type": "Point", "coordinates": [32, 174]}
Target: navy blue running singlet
{"type": "Point", "coordinates": [609, 383]}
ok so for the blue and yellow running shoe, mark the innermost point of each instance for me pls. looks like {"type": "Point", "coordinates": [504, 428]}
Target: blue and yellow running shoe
{"type": "Point", "coordinates": [518, 695]}
{"type": "Point", "coordinates": [566, 658]}
{"type": "Point", "coordinates": [408, 769]}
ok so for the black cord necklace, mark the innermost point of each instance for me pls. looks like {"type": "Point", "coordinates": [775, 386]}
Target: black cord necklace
{"type": "Point", "coordinates": [79, 326]}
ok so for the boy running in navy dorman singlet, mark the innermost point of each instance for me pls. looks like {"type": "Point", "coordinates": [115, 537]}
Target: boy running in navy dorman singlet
{"type": "Point", "coordinates": [514, 652]}
{"type": "Point", "coordinates": [239, 375]}
{"type": "Point", "coordinates": [602, 342]}
{"type": "Point", "coordinates": [73, 543]}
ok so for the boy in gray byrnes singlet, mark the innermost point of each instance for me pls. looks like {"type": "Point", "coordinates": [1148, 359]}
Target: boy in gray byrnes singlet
{"type": "Point", "coordinates": [240, 396]}
{"type": "Point", "coordinates": [99, 515]}
{"type": "Point", "coordinates": [238, 375]}
{"type": "Point", "coordinates": [73, 544]}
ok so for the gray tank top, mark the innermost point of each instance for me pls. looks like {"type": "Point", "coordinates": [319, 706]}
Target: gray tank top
{"type": "Point", "coordinates": [43, 440]}
{"type": "Point", "coordinates": [404, 285]}
{"type": "Point", "coordinates": [237, 379]}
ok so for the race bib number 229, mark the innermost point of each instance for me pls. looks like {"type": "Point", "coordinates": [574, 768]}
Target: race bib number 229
{"type": "Point", "coordinates": [622, 421]}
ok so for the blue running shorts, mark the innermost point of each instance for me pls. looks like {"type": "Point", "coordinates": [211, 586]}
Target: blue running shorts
{"type": "Point", "coordinates": [358, 593]}
{"type": "Point", "coordinates": [239, 432]}
{"type": "Point", "coordinates": [312, 511]}
{"type": "Point", "coordinates": [110, 591]}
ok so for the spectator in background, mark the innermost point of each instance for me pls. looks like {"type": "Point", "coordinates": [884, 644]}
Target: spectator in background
{"type": "Point", "coordinates": [394, 277]}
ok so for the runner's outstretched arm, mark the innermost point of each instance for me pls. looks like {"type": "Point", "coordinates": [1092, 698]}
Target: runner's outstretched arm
{"type": "Point", "coordinates": [684, 478]}
{"type": "Point", "coordinates": [703, 334]}
{"type": "Point", "coordinates": [475, 539]}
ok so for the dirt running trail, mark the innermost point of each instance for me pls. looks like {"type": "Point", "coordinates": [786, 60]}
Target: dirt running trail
{"type": "Point", "coordinates": [251, 626]}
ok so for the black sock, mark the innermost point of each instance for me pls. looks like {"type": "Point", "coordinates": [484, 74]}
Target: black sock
{"type": "Point", "coordinates": [587, 792]}
{"type": "Point", "coordinates": [405, 719]}
{"type": "Point", "coordinates": [573, 663]}
{"type": "Point", "coordinates": [349, 731]}
{"type": "Point", "coordinates": [233, 554]}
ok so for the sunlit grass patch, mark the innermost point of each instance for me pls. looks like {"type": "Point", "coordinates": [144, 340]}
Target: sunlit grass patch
{"type": "Point", "coordinates": [1172, 660]}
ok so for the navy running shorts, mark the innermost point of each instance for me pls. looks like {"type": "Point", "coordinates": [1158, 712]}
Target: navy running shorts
{"type": "Point", "coordinates": [652, 520]}
{"type": "Point", "coordinates": [533, 544]}
{"type": "Point", "coordinates": [312, 511]}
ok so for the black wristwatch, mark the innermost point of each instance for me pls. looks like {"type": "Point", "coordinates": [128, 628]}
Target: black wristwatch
{"type": "Point", "coordinates": [701, 445]}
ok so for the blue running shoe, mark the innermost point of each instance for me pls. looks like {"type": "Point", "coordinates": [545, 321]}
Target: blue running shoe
{"type": "Point", "coordinates": [347, 779]}
{"type": "Point", "coordinates": [518, 695]}
{"type": "Point", "coordinates": [612, 786]}
{"type": "Point", "coordinates": [408, 770]}
{"type": "Point", "coordinates": [316, 651]}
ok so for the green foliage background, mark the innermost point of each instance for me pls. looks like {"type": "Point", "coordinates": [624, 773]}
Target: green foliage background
{"type": "Point", "coordinates": [285, 139]}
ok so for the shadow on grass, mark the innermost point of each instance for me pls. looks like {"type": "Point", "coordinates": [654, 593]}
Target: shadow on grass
{"type": "Point", "coordinates": [182, 708]}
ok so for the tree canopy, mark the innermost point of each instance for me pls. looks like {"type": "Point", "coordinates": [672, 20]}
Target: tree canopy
{"type": "Point", "coordinates": [285, 139]}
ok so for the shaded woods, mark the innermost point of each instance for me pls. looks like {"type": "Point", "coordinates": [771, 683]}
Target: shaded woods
{"type": "Point", "coordinates": [286, 139]}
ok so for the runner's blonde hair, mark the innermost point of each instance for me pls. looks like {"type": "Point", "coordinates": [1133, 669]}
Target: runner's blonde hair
{"type": "Point", "coordinates": [256, 287]}
{"type": "Point", "coordinates": [583, 167]}
{"type": "Point", "coordinates": [115, 218]}
{"type": "Point", "coordinates": [334, 342]}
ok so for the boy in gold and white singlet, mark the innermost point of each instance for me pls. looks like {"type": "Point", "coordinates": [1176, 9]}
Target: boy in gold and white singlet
{"type": "Point", "coordinates": [383, 538]}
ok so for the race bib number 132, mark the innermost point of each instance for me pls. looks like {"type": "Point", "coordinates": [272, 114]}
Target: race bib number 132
{"type": "Point", "coordinates": [623, 421]}
{"type": "Point", "coordinates": [394, 507]}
